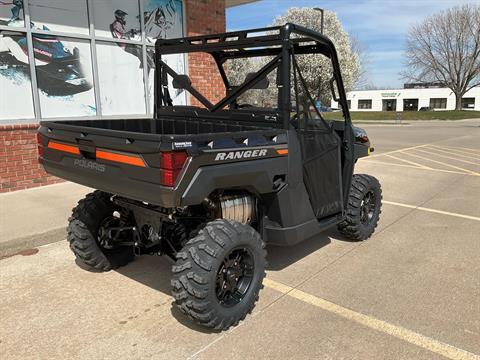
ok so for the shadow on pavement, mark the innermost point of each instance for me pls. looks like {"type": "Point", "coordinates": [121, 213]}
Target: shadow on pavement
{"type": "Point", "coordinates": [281, 257]}
{"type": "Point", "coordinates": [155, 272]}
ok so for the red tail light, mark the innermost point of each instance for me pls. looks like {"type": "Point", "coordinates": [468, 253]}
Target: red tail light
{"type": "Point", "coordinates": [171, 164]}
{"type": "Point", "coordinates": [39, 145]}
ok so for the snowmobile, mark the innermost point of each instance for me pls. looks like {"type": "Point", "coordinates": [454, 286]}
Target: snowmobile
{"type": "Point", "coordinates": [59, 71]}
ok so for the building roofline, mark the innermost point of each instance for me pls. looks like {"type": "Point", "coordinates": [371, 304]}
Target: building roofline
{"type": "Point", "coordinates": [410, 89]}
{"type": "Point", "coordinates": [232, 3]}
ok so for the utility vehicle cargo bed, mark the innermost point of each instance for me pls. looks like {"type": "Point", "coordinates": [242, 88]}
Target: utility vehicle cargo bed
{"type": "Point", "coordinates": [125, 157]}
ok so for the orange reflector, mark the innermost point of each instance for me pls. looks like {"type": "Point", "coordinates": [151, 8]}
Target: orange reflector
{"type": "Point", "coordinates": [72, 149]}
{"type": "Point", "coordinates": [282, 151]}
{"type": "Point", "coordinates": [125, 159]}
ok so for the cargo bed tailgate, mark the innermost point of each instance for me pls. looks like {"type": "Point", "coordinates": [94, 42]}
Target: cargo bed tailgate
{"type": "Point", "coordinates": [120, 163]}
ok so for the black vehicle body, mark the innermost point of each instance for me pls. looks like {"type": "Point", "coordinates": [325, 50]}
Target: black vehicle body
{"type": "Point", "coordinates": [298, 174]}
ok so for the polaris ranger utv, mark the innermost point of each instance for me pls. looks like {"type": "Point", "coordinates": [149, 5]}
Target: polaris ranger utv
{"type": "Point", "coordinates": [211, 185]}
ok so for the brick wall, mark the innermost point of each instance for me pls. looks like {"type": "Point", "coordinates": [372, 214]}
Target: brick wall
{"type": "Point", "coordinates": [205, 17]}
{"type": "Point", "coordinates": [19, 168]}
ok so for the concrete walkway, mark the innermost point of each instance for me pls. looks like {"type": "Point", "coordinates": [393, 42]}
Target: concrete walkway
{"type": "Point", "coordinates": [35, 217]}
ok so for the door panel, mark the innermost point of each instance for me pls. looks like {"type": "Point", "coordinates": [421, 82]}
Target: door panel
{"type": "Point", "coordinates": [321, 168]}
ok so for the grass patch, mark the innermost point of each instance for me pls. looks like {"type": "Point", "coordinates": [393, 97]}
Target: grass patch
{"type": "Point", "coordinates": [405, 115]}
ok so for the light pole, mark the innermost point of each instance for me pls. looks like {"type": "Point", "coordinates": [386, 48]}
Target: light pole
{"type": "Point", "coordinates": [321, 17]}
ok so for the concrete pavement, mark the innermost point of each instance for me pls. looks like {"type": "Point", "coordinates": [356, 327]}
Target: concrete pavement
{"type": "Point", "coordinates": [36, 216]}
{"type": "Point", "coordinates": [411, 292]}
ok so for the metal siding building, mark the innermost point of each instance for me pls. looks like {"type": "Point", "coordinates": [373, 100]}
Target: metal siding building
{"type": "Point", "coordinates": [410, 99]}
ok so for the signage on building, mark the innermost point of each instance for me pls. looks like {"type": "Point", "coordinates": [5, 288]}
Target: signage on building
{"type": "Point", "coordinates": [390, 94]}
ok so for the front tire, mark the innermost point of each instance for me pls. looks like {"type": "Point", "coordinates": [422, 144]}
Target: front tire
{"type": "Point", "coordinates": [90, 219]}
{"type": "Point", "coordinates": [364, 208]}
{"type": "Point", "coordinates": [219, 273]}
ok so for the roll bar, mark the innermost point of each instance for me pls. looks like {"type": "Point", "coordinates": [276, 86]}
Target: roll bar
{"type": "Point", "coordinates": [280, 41]}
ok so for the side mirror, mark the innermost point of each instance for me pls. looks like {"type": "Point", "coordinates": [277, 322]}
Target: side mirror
{"type": "Point", "coordinates": [181, 82]}
{"type": "Point", "coordinates": [261, 84]}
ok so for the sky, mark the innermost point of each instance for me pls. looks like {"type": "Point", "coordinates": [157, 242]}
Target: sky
{"type": "Point", "coordinates": [380, 26]}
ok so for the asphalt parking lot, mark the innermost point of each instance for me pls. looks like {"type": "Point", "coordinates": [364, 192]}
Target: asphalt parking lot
{"type": "Point", "coordinates": [412, 291]}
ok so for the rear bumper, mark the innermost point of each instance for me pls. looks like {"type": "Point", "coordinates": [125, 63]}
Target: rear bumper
{"type": "Point", "coordinates": [113, 181]}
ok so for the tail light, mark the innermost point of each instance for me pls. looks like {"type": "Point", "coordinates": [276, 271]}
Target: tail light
{"type": "Point", "coordinates": [39, 145]}
{"type": "Point", "coordinates": [171, 164]}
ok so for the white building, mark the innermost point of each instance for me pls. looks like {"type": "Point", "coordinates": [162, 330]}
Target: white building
{"type": "Point", "coordinates": [410, 99]}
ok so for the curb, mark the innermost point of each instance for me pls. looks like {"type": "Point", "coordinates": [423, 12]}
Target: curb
{"type": "Point", "coordinates": [366, 122]}
{"type": "Point", "coordinates": [14, 246]}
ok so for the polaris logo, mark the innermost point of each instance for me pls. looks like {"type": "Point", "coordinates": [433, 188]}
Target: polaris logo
{"type": "Point", "coordinates": [87, 164]}
{"type": "Point", "coordinates": [246, 154]}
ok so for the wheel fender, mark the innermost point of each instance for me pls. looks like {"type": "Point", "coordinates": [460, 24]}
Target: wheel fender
{"type": "Point", "coordinates": [255, 176]}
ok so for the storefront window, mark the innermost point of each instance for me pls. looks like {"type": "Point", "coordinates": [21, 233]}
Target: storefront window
{"type": "Point", "coordinates": [64, 76]}
{"type": "Point", "coordinates": [16, 101]}
{"type": "Point", "coordinates": [59, 15]}
{"type": "Point", "coordinates": [119, 19]}
{"type": "Point", "coordinates": [389, 104]}
{"type": "Point", "coordinates": [65, 71]}
{"type": "Point", "coordinates": [468, 103]}
{"type": "Point", "coordinates": [410, 104]}
{"type": "Point", "coordinates": [438, 103]}
{"type": "Point", "coordinates": [120, 74]}
{"type": "Point", "coordinates": [364, 104]}
{"type": "Point", "coordinates": [11, 13]}
{"type": "Point", "coordinates": [177, 63]}
{"type": "Point", "coordinates": [163, 19]}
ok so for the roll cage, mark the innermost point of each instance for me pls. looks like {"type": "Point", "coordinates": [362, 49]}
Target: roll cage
{"type": "Point", "coordinates": [280, 42]}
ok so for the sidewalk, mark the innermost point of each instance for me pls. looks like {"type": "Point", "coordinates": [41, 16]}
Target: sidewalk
{"type": "Point", "coordinates": [37, 216]}
{"type": "Point", "coordinates": [408, 121]}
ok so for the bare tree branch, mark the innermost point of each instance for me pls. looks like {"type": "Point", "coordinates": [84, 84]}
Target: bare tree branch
{"type": "Point", "coordinates": [445, 47]}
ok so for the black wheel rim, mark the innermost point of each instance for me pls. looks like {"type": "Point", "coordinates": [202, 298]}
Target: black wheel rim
{"type": "Point", "coordinates": [234, 277]}
{"type": "Point", "coordinates": [103, 237]}
{"type": "Point", "coordinates": [367, 208]}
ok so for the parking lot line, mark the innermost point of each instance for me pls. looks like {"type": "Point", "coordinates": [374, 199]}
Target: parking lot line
{"type": "Point", "coordinates": [396, 331]}
{"type": "Point", "coordinates": [432, 210]}
{"type": "Point", "coordinates": [366, 160]}
{"type": "Point", "coordinates": [442, 163]}
{"type": "Point", "coordinates": [398, 150]}
{"type": "Point", "coordinates": [470, 156]}
{"type": "Point", "coordinates": [408, 161]}
{"type": "Point", "coordinates": [460, 149]}
{"type": "Point", "coordinates": [447, 157]}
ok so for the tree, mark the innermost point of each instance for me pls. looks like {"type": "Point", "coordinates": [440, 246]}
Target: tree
{"type": "Point", "coordinates": [445, 48]}
{"type": "Point", "coordinates": [315, 68]}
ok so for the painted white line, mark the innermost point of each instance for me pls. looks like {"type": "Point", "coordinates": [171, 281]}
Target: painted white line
{"type": "Point", "coordinates": [442, 163]}
{"type": "Point", "coordinates": [469, 217]}
{"type": "Point", "coordinates": [459, 149]}
{"type": "Point", "coordinates": [409, 162]}
{"type": "Point", "coordinates": [366, 161]}
{"type": "Point", "coordinates": [471, 157]}
{"type": "Point", "coordinates": [447, 157]}
{"type": "Point", "coordinates": [394, 151]}
{"type": "Point", "coordinates": [396, 331]}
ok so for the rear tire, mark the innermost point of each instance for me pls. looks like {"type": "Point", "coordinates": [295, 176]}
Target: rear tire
{"type": "Point", "coordinates": [219, 273]}
{"type": "Point", "coordinates": [83, 234]}
{"type": "Point", "coordinates": [364, 208]}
